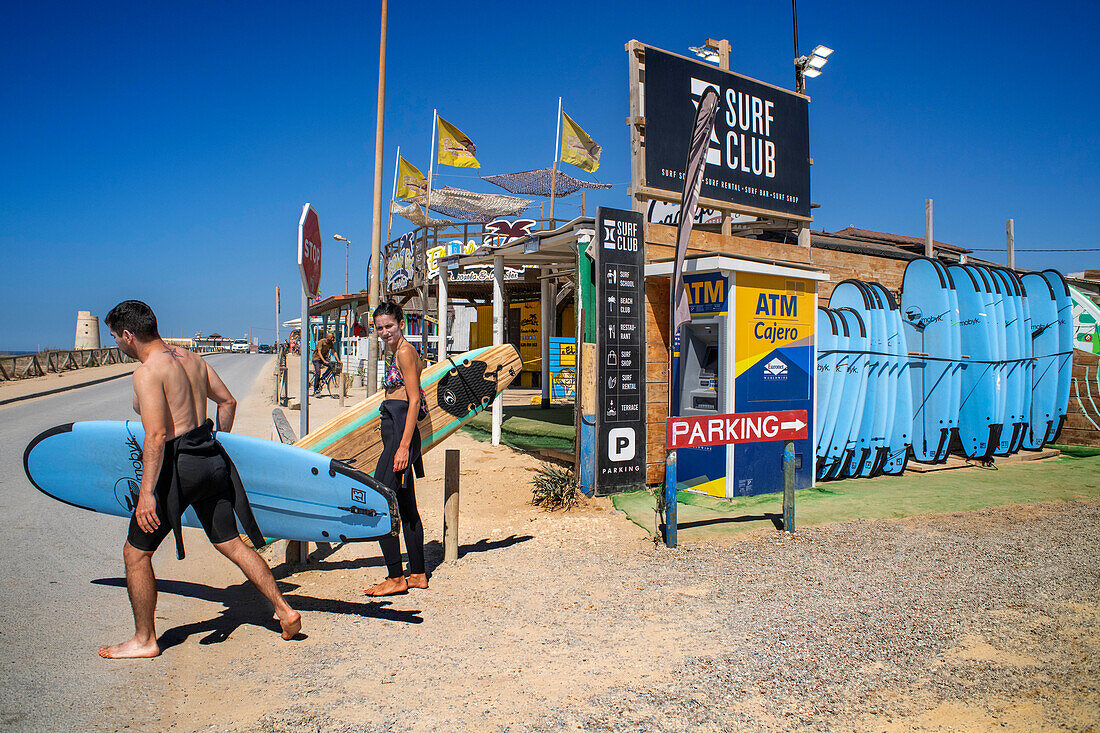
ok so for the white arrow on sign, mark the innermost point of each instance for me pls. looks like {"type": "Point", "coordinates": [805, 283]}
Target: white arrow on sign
{"type": "Point", "coordinates": [795, 425]}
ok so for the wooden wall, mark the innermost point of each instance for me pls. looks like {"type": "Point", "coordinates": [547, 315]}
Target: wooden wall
{"type": "Point", "coordinates": [1083, 421]}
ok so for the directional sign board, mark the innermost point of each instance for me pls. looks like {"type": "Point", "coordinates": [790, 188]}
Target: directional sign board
{"type": "Point", "coordinates": [742, 427]}
{"type": "Point", "coordinates": [620, 323]}
{"type": "Point", "coordinates": [309, 250]}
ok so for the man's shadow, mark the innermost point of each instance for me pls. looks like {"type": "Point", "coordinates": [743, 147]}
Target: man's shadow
{"type": "Point", "coordinates": [244, 605]}
{"type": "Point", "coordinates": [433, 551]}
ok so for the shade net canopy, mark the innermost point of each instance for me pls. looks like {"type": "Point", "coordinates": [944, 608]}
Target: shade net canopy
{"type": "Point", "coordinates": [415, 214]}
{"type": "Point", "coordinates": [537, 183]}
{"type": "Point", "coordinates": [467, 205]}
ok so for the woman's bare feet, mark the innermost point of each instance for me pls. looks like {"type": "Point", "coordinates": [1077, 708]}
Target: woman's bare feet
{"type": "Point", "coordinates": [389, 587]}
{"type": "Point", "coordinates": [133, 649]}
{"type": "Point", "coordinates": [418, 580]}
{"type": "Point", "coordinates": [292, 624]}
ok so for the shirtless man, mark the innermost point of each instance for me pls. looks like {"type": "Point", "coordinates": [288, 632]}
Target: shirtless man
{"type": "Point", "coordinates": [170, 391]}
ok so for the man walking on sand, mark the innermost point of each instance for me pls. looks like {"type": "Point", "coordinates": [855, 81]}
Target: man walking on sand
{"type": "Point", "coordinates": [183, 466]}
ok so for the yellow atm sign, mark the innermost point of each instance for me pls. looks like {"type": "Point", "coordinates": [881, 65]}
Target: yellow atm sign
{"type": "Point", "coordinates": [707, 294]}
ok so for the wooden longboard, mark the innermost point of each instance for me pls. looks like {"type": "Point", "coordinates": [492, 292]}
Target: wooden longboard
{"type": "Point", "coordinates": [455, 389]}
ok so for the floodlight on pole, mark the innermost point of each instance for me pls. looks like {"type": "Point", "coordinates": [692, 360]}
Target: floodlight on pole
{"type": "Point", "coordinates": [810, 66]}
{"type": "Point", "coordinates": [716, 51]}
{"type": "Point", "coordinates": [347, 256]}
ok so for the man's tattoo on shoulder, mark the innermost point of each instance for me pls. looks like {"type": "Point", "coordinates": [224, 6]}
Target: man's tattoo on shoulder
{"type": "Point", "coordinates": [172, 352]}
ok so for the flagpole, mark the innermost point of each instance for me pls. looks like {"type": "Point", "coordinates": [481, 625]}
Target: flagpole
{"type": "Point", "coordinates": [389, 223]}
{"type": "Point", "coordinates": [431, 167]}
{"type": "Point", "coordinates": [554, 168]}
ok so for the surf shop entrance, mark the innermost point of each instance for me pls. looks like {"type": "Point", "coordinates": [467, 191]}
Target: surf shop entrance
{"type": "Point", "coordinates": [749, 349]}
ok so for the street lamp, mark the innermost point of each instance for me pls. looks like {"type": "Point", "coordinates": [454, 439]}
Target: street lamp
{"type": "Point", "coordinates": [810, 66]}
{"type": "Point", "coordinates": [347, 256]}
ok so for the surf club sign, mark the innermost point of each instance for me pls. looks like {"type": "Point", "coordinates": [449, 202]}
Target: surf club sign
{"type": "Point", "coordinates": [758, 159]}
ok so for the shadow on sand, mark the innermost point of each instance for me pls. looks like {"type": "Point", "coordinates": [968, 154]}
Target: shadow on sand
{"type": "Point", "coordinates": [244, 605]}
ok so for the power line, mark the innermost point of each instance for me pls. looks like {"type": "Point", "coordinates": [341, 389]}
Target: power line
{"type": "Point", "coordinates": [1002, 249]}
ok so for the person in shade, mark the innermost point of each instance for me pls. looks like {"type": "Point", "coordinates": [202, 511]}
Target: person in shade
{"type": "Point", "coordinates": [403, 405]}
{"type": "Point", "coordinates": [183, 465]}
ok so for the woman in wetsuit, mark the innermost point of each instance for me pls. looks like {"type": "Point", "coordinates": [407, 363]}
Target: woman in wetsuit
{"type": "Point", "coordinates": [402, 406]}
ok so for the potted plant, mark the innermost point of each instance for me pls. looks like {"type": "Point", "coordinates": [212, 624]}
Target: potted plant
{"type": "Point", "coordinates": [360, 374]}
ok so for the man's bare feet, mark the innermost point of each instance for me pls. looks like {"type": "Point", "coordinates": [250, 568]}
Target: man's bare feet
{"type": "Point", "coordinates": [132, 649]}
{"type": "Point", "coordinates": [389, 587]}
{"type": "Point", "coordinates": [418, 580]}
{"type": "Point", "coordinates": [292, 624]}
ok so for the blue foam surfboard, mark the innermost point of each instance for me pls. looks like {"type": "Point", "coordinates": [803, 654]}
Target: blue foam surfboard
{"type": "Point", "coordinates": [1064, 303]}
{"type": "Point", "coordinates": [837, 394]}
{"type": "Point", "coordinates": [1045, 346]}
{"type": "Point", "coordinates": [887, 389]}
{"type": "Point", "coordinates": [901, 424]}
{"type": "Point", "coordinates": [853, 367]}
{"type": "Point", "coordinates": [995, 326]}
{"type": "Point", "coordinates": [295, 494]}
{"type": "Point", "coordinates": [1014, 369]}
{"type": "Point", "coordinates": [977, 404]}
{"type": "Point", "coordinates": [871, 424]}
{"type": "Point", "coordinates": [826, 337]}
{"type": "Point", "coordinates": [929, 312]}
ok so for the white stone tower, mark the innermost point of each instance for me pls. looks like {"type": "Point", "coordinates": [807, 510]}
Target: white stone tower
{"type": "Point", "coordinates": [87, 330]}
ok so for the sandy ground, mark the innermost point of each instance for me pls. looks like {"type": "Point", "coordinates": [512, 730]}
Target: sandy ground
{"type": "Point", "coordinates": [23, 387]}
{"type": "Point", "coordinates": [578, 621]}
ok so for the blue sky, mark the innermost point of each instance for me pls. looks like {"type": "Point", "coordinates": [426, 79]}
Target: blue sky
{"type": "Point", "coordinates": [163, 151]}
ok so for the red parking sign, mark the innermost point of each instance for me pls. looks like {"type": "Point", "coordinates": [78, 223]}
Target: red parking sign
{"type": "Point", "coordinates": [309, 250]}
{"type": "Point", "coordinates": [742, 427]}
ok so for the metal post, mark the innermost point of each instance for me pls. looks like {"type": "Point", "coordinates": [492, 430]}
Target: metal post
{"type": "Point", "coordinates": [498, 337]}
{"type": "Point", "coordinates": [441, 298]}
{"type": "Point", "coordinates": [788, 486]}
{"type": "Point", "coordinates": [1010, 233]}
{"type": "Point", "coordinates": [670, 498]}
{"type": "Point", "coordinates": [929, 251]}
{"type": "Point", "coordinates": [544, 336]}
{"type": "Point", "coordinates": [303, 381]}
{"type": "Point", "coordinates": [450, 505]}
{"type": "Point", "coordinates": [376, 216]}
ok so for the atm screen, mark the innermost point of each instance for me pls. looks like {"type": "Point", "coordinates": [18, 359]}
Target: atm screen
{"type": "Point", "coordinates": [709, 366]}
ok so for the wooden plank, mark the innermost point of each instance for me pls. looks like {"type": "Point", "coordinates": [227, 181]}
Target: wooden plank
{"type": "Point", "coordinates": [282, 427]}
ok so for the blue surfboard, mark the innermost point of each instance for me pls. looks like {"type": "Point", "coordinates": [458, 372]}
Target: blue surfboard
{"type": "Point", "coordinates": [929, 312]}
{"type": "Point", "coordinates": [872, 423]}
{"type": "Point", "coordinates": [995, 327]}
{"type": "Point", "coordinates": [295, 494]}
{"type": "Point", "coordinates": [827, 441]}
{"type": "Point", "coordinates": [1014, 369]}
{"type": "Point", "coordinates": [1064, 303]}
{"type": "Point", "coordinates": [827, 338]}
{"type": "Point", "coordinates": [977, 405]}
{"type": "Point", "coordinates": [853, 367]}
{"type": "Point", "coordinates": [1045, 347]}
{"type": "Point", "coordinates": [901, 423]}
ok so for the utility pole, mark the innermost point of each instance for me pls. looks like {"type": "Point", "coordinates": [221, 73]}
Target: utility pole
{"type": "Point", "coordinates": [1010, 234]}
{"type": "Point", "coordinates": [929, 250]}
{"type": "Point", "coordinates": [376, 217]}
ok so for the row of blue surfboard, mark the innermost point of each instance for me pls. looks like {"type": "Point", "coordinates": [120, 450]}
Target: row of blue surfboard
{"type": "Point", "coordinates": [974, 360]}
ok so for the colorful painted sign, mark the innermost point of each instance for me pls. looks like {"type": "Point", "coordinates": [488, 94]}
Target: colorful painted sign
{"type": "Point", "coordinates": [563, 368]}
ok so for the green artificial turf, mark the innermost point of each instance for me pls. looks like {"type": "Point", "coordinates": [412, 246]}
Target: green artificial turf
{"type": "Point", "coordinates": [1062, 479]}
{"type": "Point", "coordinates": [528, 427]}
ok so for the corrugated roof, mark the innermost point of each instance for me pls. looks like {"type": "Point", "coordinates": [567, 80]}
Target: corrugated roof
{"type": "Point", "coordinates": [900, 240]}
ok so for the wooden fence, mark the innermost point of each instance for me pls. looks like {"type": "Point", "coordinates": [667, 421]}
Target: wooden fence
{"type": "Point", "coordinates": [55, 362]}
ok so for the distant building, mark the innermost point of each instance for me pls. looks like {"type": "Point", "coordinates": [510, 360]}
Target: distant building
{"type": "Point", "coordinates": [213, 342]}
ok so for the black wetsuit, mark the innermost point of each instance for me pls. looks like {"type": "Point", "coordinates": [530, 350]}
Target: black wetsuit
{"type": "Point", "coordinates": [197, 472]}
{"type": "Point", "coordinates": [394, 413]}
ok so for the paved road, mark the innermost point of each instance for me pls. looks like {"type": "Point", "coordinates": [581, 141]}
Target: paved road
{"type": "Point", "coordinates": [54, 614]}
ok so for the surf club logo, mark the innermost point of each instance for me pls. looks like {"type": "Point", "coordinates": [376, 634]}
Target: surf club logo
{"type": "Point", "coordinates": [775, 370]}
{"type": "Point", "coordinates": [126, 488]}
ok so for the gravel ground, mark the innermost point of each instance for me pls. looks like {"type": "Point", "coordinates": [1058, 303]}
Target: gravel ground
{"type": "Point", "coordinates": [968, 621]}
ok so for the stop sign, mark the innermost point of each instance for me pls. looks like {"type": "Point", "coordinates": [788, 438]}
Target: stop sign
{"type": "Point", "coordinates": [309, 250]}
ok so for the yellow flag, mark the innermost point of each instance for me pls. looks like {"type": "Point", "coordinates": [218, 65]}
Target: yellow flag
{"type": "Point", "coordinates": [454, 147]}
{"type": "Point", "coordinates": [577, 147]}
{"type": "Point", "coordinates": [410, 181]}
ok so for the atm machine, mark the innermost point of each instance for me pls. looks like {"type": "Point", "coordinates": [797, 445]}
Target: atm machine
{"type": "Point", "coordinates": [750, 347]}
